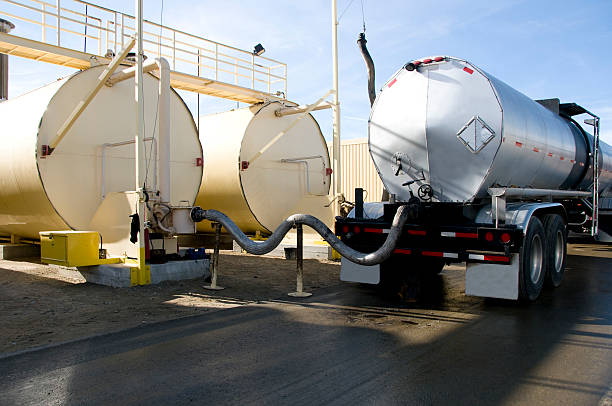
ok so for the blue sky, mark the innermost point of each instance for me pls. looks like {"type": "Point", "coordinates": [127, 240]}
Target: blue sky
{"type": "Point", "coordinates": [542, 48]}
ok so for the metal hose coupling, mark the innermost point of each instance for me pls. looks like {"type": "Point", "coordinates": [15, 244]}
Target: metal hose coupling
{"type": "Point", "coordinates": [260, 248]}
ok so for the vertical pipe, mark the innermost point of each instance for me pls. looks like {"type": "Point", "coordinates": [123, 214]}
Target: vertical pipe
{"type": "Point", "coordinates": [103, 180]}
{"type": "Point", "coordinates": [3, 77]}
{"type": "Point", "coordinates": [336, 113]}
{"type": "Point", "coordinates": [358, 203]}
{"type": "Point", "coordinates": [139, 153]}
{"type": "Point", "coordinates": [5, 27]}
{"type": "Point", "coordinates": [163, 139]}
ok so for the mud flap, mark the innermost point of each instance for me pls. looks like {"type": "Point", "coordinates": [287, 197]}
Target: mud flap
{"type": "Point", "coordinates": [352, 272]}
{"type": "Point", "coordinates": [492, 280]}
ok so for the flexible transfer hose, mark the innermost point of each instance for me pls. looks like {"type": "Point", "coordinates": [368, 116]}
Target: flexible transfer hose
{"type": "Point", "coordinates": [260, 248]}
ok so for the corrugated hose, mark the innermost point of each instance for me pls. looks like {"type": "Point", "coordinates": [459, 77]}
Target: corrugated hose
{"type": "Point", "coordinates": [259, 248]}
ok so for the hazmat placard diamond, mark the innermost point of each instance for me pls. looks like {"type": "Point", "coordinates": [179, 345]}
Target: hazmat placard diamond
{"type": "Point", "coordinates": [475, 134]}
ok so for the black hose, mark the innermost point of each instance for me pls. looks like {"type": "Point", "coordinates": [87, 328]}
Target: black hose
{"type": "Point", "coordinates": [361, 41]}
{"type": "Point", "coordinates": [260, 248]}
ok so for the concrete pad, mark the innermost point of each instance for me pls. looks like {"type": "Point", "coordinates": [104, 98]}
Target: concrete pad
{"type": "Point", "coordinates": [14, 251]}
{"type": "Point", "coordinates": [119, 275]}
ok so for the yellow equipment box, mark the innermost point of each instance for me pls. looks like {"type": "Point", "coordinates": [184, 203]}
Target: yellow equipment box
{"type": "Point", "coordinates": [72, 248]}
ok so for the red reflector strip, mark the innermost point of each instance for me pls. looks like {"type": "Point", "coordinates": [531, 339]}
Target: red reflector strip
{"type": "Point", "coordinates": [416, 232]}
{"type": "Point", "coordinates": [376, 230]}
{"type": "Point", "coordinates": [518, 144]}
{"type": "Point", "coordinates": [458, 235]}
{"type": "Point", "coordinates": [440, 254]}
{"type": "Point", "coordinates": [467, 235]}
{"type": "Point", "coordinates": [492, 258]}
{"type": "Point", "coordinates": [536, 150]}
{"type": "Point", "coordinates": [561, 158]}
{"type": "Point", "coordinates": [496, 258]}
{"type": "Point", "coordinates": [549, 154]}
{"type": "Point", "coordinates": [392, 82]}
{"type": "Point", "coordinates": [402, 251]}
{"type": "Point", "coordinates": [572, 161]}
{"type": "Point", "coordinates": [468, 70]}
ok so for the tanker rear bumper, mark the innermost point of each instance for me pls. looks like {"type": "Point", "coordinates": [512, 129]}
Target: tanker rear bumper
{"type": "Point", "coordinates": [479, 243]}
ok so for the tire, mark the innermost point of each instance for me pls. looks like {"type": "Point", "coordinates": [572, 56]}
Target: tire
{"type": "Point", "coordinates": [555, 230]}
{"type": "Point", "coordinates": [532, 264]}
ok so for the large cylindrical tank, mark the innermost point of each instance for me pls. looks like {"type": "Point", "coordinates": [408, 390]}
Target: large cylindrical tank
{"type": "Point", "coordinates": [96, 157]}
{"type": "Point", "coordinates": [453, 126]}
{"type": "Point", "coordinates": [259, 191]}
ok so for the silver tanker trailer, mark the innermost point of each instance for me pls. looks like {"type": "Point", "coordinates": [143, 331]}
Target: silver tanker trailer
{"type": "Point", "coordinates": [493, 179]}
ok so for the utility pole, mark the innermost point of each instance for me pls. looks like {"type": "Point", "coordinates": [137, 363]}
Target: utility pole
{"type": "Point", "coordinates": [337, 179]}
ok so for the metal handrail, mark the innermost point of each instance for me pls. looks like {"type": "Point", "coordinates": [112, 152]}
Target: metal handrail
{"type": "Point", "coordinates": [185, 52]}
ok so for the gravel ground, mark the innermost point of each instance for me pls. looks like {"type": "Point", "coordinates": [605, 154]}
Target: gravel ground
{"type": "Point", "coordinates": [41, 307]}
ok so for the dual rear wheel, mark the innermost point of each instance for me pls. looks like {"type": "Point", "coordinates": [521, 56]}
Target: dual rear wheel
{"type": "Point", "coordinates": [543, 255]}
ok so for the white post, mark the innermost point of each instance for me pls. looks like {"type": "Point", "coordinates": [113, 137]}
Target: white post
{"type": "Point", "coordinates": [143, 276]}
{"type": "Point", "coordinates": [336, 113]}
{"type": "Point", "coordinates": [163, 139]}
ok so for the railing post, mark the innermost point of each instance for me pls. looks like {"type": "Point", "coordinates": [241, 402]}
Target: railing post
{"type": "Point", "coordinates": [116, 32]}
{"type": "Point", "coordinates": [122, 28]}
{"type": "Point", "coordinates": [44, 23]}
{"type": "Point", "coordinates": [173, 50]}
{"type": "Point", "coordinates": [100, 37]}
{"type": "Point", "coordinates": [216, 61]}
{"type": "Point", "coordinates": [269, 80]}
{"type": "Point", "coordinates": [253, 71]}
{"type": "Point", "coordinates": [58, 9]}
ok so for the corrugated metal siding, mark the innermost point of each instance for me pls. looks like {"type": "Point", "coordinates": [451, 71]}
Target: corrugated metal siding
{"type": "Point", "coordinates": [358, 170]}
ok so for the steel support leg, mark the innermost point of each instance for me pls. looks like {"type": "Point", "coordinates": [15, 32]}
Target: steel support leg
{"type": "Point", "coordinates": [214, 265]}
{"type": "Point", "coordinates": [300, 265]}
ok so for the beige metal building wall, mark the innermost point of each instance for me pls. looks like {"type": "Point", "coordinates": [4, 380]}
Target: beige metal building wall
{"type": "Point", "coordinates": [358, 171]}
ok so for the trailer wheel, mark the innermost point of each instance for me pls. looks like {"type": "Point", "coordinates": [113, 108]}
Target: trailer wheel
{"type": "Point", "coordinates": [556, 249]}
{"type": "Point", "coordinates": [532, 261]}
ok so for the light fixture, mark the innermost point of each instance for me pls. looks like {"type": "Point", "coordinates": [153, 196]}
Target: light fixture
{"type": "Point", "coordinates": [258, 50]}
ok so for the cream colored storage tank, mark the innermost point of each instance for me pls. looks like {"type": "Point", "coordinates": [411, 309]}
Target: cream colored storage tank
{"type": "Point", "coordinates": [291, 176]}
{"type": "Point", "coordinates": [95, 158]}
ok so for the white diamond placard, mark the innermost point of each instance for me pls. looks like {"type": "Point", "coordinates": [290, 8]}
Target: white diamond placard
{"type": "Point", "coordinates": [475, 134]}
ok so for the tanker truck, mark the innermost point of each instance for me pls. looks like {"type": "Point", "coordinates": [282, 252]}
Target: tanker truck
{"type": "Point", "coordinates": [492, 179]}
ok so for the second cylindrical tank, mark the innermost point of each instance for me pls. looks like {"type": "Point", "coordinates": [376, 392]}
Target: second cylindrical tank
{"type": "Point", "coordinates": [260, 168]}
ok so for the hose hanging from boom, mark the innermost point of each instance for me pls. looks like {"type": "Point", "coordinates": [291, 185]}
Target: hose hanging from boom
{"type": "Point", "coordinates": [361, 41]}
{"type": "Point", "coordinates": [260, 248]}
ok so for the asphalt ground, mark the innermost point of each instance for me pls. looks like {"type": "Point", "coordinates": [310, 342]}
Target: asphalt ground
{"type": "Point", "coordinates": [348, 344]}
